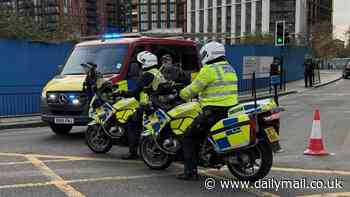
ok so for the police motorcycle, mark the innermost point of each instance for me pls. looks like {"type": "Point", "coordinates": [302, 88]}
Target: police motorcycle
{"type": "Point", "coordinates": [244, 141]}
{"type": "Point", "coordinates": [109, 111]}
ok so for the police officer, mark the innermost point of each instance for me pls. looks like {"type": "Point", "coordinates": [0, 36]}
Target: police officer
{"type": "Point", "coordinates": [149, 80]}
{"type": "Point", "coordinates": [173, 72]}
{"type": "Point", "coordinates": [216, 87]}
{"type": "Point", "coordinates": [275, 68]}
{"type": "Point", "coordinates": [308, 72]}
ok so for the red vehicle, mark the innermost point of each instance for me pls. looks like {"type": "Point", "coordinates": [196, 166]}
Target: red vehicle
{"type": "Point", "coordinates": [64, 103]}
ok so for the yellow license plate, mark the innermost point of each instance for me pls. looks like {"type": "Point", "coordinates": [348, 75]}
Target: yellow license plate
{"type": "Point", "coordinates": [271, 134]}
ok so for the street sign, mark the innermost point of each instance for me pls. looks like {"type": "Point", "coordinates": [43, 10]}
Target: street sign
{"type": "Point", "coordinates": [275, 80]}
{"type": "Point", "coordinates": [258, 64]}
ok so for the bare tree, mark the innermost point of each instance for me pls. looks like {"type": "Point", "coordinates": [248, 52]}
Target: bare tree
{"type": "Point", "coordinates": [322, 40]}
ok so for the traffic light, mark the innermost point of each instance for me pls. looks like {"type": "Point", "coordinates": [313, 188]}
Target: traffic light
{"type": "Point", "coordinates": [280, 33]}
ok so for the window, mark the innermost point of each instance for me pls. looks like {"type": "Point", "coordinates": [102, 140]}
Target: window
{"type": "Point", "coordinates": [210, 3]}
{"type": "Point", "coordinates": [108, 58]}
{"type": "Point", "coordinates": [185, 56]}
{"type": "Point", "coordinates": [248, 18]}
{"type": "Point", "coordinates": [210, 20]}
{"type": "Point", "coordinates": [201, 21]}
{"type": "Point", "coordinates": [218, 24]}
{"type": "Point", "coordinates": [193, 4]}
{"type": "Point", "coordinates": [238, 20]}
{"type": "Point", "coordinates": [258, 16]}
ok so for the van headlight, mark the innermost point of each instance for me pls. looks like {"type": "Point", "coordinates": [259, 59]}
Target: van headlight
{"type": "Point", "coordinates": [43, 95]}
{"type": "Point", "coordinates": [52, 98]}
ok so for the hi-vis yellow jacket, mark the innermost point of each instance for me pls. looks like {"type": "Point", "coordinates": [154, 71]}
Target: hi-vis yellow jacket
{"type": "Point", "coordinates": [216, 85]}
{"type": "Point", "coordinates": [158, 79]}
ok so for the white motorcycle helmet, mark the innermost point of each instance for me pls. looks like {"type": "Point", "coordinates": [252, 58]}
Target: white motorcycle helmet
{"type": "Point", "coordinates": [212, 51]}
{"type": "Point", "coordinates": [147, 59]}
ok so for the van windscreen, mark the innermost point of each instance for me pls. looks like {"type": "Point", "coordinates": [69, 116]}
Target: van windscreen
{"type": "Point", "coordinates": [108, 58]}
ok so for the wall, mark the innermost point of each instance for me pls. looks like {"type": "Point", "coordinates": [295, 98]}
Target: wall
{"type": "Point", "coordinates": [293, 60]}
{"type": "Point", "coordinates": [25, 68]}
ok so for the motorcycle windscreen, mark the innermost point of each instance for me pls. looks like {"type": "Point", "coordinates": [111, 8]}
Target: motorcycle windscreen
{"type": "Point", "coordinates": [156, 121]}
{"type": "Point", "coordinates": [103, 113]}
{"type": "Point", "coordinates": [232, 133]}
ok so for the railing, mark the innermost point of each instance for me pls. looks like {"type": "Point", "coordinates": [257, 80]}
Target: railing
{"type": "Point", "coordinates": [12, 104]}
{"type": "Point", "coordinates": [262, 83]}
{"type": "Point", "coordinates": [316, 77]}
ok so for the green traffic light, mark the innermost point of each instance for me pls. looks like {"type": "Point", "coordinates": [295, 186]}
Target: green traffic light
{"type": "Point", "coordinates": [279, 40]}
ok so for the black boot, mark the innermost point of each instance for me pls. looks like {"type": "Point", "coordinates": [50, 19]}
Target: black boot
{"type": "Point", "coordinates": [188, 177]}
{"type": "Point", "coordinates": [130, 156]}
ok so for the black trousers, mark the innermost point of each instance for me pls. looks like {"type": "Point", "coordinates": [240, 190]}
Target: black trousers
{"type": "Point", "coordinates": [197, 133]}
{"type": "Point", "coordinates": [308, 79]}
{"type": "Point", "coordinates": [134, 131]}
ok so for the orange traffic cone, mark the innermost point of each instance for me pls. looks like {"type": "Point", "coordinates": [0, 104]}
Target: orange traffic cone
{"type": "Point", "coordinates": [316, 142]}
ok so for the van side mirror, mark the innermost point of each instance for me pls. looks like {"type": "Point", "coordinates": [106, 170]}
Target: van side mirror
{"type": "Point", "coordinates": [59, 69]}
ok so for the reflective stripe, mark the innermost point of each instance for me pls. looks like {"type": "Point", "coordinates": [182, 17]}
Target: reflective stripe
{"type": "Point", "coordinates": [192, 94]}
{"type": "Point", "coordinates": [226, 93]}
{"type": "Point", "coordinates": [218, 73]}
{"type": "Point", "coordinates": [200, 84]}
{"type": "Point", "coordinates": [222, 83]}
{"type": "Point", "coordinates": [158, 78]}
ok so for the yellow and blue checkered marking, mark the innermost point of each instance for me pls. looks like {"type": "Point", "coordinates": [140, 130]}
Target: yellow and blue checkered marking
{"type": "Point", "coordinates": [222, 139]}
{"type": "Point", "coordinates": [232, 137]}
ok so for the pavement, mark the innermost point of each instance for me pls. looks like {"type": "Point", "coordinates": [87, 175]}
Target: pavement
{"type": "Point", "coordinates": [327, 77]}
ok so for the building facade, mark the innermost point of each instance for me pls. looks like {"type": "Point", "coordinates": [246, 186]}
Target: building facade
{"type": "Point", "coordinates": [249, 17]}
{"type": "Point", "coordinates": [94, 16]}
{"type": "Point", "coordinates": [158, 14]}
{"type": "Point", "coordinates": [47, 13]}
{"type": "Point", "coordinates": [101, 16]}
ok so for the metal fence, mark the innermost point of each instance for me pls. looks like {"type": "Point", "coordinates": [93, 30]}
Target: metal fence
{"type": "Point", "coordinates": [12, 104]}
{"type": "Point", "coordinates": [262, 84]}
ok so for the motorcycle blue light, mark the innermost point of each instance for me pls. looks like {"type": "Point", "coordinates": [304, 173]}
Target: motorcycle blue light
{"type": "Point", "coordinates": [72, 96]}
{"type": "Point", "coordinates": [111, 36]}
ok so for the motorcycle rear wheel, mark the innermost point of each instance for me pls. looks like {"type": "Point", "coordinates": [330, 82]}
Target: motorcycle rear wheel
{"type": "Point", "coordinates": [262, 152]}
{"type": "Point", "coordinates": [149, 152]}
{"type": "Point", "coordinates": [97, 140]}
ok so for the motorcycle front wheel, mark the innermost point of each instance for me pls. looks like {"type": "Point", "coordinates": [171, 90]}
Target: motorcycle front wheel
{"type": "Point", "coordinates": [253, 164]}
{"type": "Point", "coordinates": [97, 140]}
{"type": "Point", "coordinates": [152, 156]}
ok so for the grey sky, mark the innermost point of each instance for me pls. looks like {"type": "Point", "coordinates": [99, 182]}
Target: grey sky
{"type": "Point", "coordinates": [341, 12]}
{"type": "Point", "coordinates": [341, 17]}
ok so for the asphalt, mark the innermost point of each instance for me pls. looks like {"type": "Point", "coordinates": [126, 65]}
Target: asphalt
{"type": "Point", "coordinates": [334, 105]}
{"type": "Point", "coordinates": [35, 162]}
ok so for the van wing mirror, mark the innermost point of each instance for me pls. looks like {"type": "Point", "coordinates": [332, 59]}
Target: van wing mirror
{"type": "Point", "coordinates": [59, 69]}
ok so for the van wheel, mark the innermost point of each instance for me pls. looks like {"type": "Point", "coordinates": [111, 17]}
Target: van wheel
{"type": "Point", "coordinates": [60, 129]}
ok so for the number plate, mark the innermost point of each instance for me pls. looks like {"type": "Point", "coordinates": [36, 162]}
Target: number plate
{"type": "Point", "coordinates": [271, 134]}
{"type": "Point", "coordinates": [64, 120]}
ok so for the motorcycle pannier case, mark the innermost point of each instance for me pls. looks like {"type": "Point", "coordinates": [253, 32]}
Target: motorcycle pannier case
{"type": "Point", "coordinates": [125, 108]}
{"type": "Point", "coordinates": [232, 133]}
